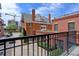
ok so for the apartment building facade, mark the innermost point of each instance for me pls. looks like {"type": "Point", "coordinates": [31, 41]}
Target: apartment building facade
{"type": "Point", "coordinates": [67, 23]}
{"type": "Point", "coordinates": [35, 24]}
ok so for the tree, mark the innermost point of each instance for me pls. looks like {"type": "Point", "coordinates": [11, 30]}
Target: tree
{"type": "Point", "coordinates": [11, 26]}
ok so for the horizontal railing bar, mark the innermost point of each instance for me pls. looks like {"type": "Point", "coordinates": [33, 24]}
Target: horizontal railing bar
{"type": "Point", "coordinates": [31, 43]}
{"type": "Point", "coordinates": [26, 37]}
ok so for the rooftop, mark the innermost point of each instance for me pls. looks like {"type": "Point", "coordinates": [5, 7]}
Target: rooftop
{"type": "Point", "coordinates": [68, 16]}
{"type": "Point", "coordinates": [38, 18]}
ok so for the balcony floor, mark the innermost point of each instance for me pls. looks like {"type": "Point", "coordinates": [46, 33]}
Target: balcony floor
{"type": "Point", "coordinates": [75, 52]}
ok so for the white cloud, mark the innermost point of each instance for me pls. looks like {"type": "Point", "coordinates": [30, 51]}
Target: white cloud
{"type": "Point", "coordinates": [52, 5]}
{"type": "Point", "coordinates": [48, 8]}
{"type": "Point", "coordinates": [10, 8]}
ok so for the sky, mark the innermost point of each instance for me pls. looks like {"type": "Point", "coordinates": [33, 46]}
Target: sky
{"type": "Point", "coordinates": [55, 9]}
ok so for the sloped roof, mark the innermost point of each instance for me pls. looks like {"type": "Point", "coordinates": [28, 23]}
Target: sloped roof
{"type": "Point", "coordinates": [38, 18]}
{"type": "Point", "coordinates": [67, 16]}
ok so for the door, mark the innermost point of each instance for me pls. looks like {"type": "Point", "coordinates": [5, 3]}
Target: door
{"type": "Point", "coordinates": [72, 34]}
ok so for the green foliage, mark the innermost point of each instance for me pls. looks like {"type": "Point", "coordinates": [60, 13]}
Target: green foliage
{"type": "Point", "coordinates": [56, 52]}
{"type": "Point", "coordinates": [44, 45]}
{"type": "Point", "coordinates": [11, 26]}
{"type": "Point", "coordinates": [20, 29]}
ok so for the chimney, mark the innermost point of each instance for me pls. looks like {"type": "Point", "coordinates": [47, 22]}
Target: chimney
{"type": "Point", "coordinates": [33, 14]}
{"type": "Point", "coordinates": [49, 18]}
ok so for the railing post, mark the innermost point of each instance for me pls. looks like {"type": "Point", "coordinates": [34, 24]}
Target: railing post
{"type": "Point", "coordinates": [75, 37]}
{"type": "Point", "coordinates": [21, 48]}
{"type": "Point", "coordinates": [27, 46]}
{"type": "Point", "coordinates": [45, 39]}
{"type": "Point", "coordinates": [4, 48]}
{"type": "Point", "coordinates": [67, 41]}
{"type": "Point", "coordinates": [37, 46]}
{"type": "Point", "coordinates": [55, 41]}
{"type": "Point", "coordinates": [42, 44]}
{"type": "Point", "coordinates": [48, 45]}
{"type": "Point", "coordinates": [33, 46]}
{"type": "Point", "coordinates": [14, 47]}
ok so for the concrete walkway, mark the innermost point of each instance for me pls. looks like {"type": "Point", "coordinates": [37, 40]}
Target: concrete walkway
{"type": "Point", "coordinates": [75, 52]}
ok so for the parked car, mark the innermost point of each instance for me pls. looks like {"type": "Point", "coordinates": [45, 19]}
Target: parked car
{"type": "Point", "coordinates": [8, 34]}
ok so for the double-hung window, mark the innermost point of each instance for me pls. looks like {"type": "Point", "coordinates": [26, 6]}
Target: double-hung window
{"type": "Point", "coordinates": [71, 26]}
{"type": "Point", "coordinates": [55, 27]}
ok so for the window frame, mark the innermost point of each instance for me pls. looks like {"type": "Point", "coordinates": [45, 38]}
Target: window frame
{"type": "Point", "coordinates": [56, 28]}
{"type": "Point", "coordinates": [43, 27]}
{"type": "Point", "coordinates": [71, 28]}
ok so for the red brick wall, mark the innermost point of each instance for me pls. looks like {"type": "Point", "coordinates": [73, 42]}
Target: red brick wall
{"type": "Point", "coordinates": [63, 25]}
{"type": "Point", "coordinates": [49, 27]}
{"type": "Point", "coordinates": [35, 27]}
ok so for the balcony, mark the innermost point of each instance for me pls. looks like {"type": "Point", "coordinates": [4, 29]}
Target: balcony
{"type": "Point", "coordinates": [53, 44]}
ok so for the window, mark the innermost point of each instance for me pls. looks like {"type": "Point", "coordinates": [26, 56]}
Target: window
{"type": "Point", "coordinates": [43, 27]}
{"type": "Point", "coordinates": [55, 27]}
{"type": "Point", "coordinates": [71, 26]}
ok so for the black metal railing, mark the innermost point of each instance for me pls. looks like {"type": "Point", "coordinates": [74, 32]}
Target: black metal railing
{"type": "Point", "coordinates": [39, 45]}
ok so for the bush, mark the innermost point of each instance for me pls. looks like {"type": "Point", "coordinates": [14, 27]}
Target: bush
{"type": "Point", "coordinates": [11, 26]}
{"type": "Point", "coordinates": [44, 45]}
{"type": "Point", "coordinates": [52, 50]}
{"type": "Point", "coordinates": [56, 52]}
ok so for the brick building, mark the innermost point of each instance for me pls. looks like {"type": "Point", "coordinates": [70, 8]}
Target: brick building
{"type": "Point", "coordinates": [66, 23]}
{"type": "Point", "coordinates": [1, 28]}
{"type": "Point", "coordinates": [36, 24]}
